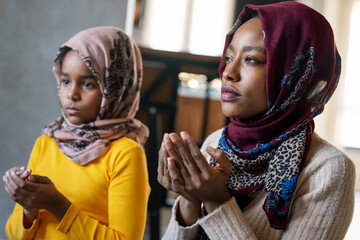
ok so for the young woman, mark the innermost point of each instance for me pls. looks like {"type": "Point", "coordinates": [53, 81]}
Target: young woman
{"type": "Point", "coordinates": [87, 174]}
{"type": "Point", "coordinates": [266, 175]}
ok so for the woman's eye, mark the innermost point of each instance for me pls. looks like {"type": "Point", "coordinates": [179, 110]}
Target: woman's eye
{"type": "Point", "coordinates": [227, 59]}
{"type": "Point", "coordinates": [250, 59]}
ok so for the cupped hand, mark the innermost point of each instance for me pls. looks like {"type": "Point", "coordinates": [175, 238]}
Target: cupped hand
{"type": "Point", "coordinates": [22, 172]}
{"type": "Point", "coordinates": [190, 169]}
{"type": "Point", "coordinates": [175, 182]}
{"type": "Point", "coordinates": [36, 192]}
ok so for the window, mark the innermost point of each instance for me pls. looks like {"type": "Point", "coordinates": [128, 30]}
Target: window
{"type": "Point", "coordinates": [350, 119]}
{"type": "Point", "coordinates": [195, 26]}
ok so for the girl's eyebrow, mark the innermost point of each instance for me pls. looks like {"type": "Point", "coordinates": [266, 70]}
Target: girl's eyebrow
{"type": "Point", "coordinates": [83, 76]}
{"type": "Point", "coordinates": [256, 48]}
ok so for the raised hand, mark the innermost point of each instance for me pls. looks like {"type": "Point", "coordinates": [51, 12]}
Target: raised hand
{"type": "Point", "coordinates": [34, 193]}
{"type": "Point", "coordinates": [175, 182]}
{"type": "Point", "coordinates": [10, 186]}
{"type": "Point", "coordinates": [189, 168]}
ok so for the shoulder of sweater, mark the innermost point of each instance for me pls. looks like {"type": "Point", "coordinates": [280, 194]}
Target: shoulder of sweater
{"type": "Point", "coordinates": [212, 140]}
{"type": "Point", "coordinates": [324, 155]}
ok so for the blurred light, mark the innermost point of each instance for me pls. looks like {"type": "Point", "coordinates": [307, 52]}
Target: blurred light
{"type": "Point", "coordinates": [193, 83]}
{"type": "Point", "coordinates": [196, 26]}
{"type": "Point", "coordinates": [350, 128]}
{"type": "Point", "coordinates": [166, 24]}
{"type": "Point", "coordinates": [211, 21]}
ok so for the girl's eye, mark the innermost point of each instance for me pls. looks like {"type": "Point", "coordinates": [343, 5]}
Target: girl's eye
{"type": "Point", "coordinates": [88, 85]}
{"type": "Point", "coordinates": [65, 81]}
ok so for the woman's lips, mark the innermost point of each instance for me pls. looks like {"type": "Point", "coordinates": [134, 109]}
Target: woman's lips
{"type": "Point", "coordinates": [228, 93]}
{"type": "Point", "coordinates": [72, 111]}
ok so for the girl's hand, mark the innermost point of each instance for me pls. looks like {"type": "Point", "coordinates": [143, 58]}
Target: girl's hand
{"type": "Point", "coordinates": [36, 192]}
{"type": "Point", "coordinates": [29, 213]}
{"type": "Point", "coordinates": [196, 176]}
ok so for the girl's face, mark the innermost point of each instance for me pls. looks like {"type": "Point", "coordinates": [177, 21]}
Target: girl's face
{"type": "Point", "coordinates": [80, 94]}
{"type": "Point", "coordinates": [243, 93]}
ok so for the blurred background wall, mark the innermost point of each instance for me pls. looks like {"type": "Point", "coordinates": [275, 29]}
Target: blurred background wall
{"type": "Point", "coordinates": [30, 34]}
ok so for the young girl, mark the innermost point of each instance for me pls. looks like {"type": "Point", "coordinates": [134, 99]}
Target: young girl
{"type": "Point", "coordinates": [87, 174]}
{"type": "Point", "coordinates": [266, 175]}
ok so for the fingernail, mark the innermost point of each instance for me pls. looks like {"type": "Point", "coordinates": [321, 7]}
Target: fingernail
{"type": "Point", "coordinates": [13, 174]}
{"type": "Point", "coordinates": [182, 134]}
{"type": "Point", "coordinates": [22, 168]}
{"type": "Point", "coordinates": [172, 137]}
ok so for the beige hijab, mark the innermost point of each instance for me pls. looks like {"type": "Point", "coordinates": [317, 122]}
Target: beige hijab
{"type": "Point", "coordinates": [115, 61]}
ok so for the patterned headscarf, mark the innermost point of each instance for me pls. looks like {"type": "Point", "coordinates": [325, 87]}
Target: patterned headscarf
{"type": "Point", "coordinates": [303, 69]}
{"type": "Point", "coordinates": [115, 61]}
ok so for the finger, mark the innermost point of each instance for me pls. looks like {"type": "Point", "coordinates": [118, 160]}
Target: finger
{"type": "Point", "coordinates": [9, 181]}
{"type": "Point", "coordinates": [177, 151]}
{"type": "Point", "coordinates": [171, 149]}
{"type": "Point", "coordinates": [15, 189]}
{"type": "Point", "coordinates": [181, 148]}
{"type": "Point", "coordinates": [195, 152]}
{"type": "Point", "coordinates": [173, 152]}
{"type": "Point", "coordinates": [9, 193]}
{"type": "Point", "coordinates": [165, 180]}
{"type": "Point", "coordinates": [39, 179]}
{"type": "Point", "coordinates": [160, 168]}
{"type": "Point", "coordinates": [16, 182]}
{"type": "Point", "coordinates": [15, 169]}
{"type": "Point", "coordinates": [25, 173]}
{"type": "Point", "coordinates": [174, 172]}
{"type": "Point", "coordinates": [223, 161]}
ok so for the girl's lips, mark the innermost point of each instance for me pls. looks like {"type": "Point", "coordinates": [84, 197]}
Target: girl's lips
{"type": "Point", "coordinates": [72, 110]}
{"type": "Point", "coordinates": [228, 93]}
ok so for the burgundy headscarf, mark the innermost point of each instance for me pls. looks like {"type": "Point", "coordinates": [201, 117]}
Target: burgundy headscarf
{"type": "Point", "coordinates": [115, 61]}
{"type": "Point", "coordinates": [303, 69]}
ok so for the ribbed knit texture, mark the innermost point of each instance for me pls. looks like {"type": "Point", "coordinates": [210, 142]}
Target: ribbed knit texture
{"type": "Point", "coordinates": [322, 206]}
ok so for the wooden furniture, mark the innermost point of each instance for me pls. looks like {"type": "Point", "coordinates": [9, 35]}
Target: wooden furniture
{"type": "Point", "coordinates": [160, 108]}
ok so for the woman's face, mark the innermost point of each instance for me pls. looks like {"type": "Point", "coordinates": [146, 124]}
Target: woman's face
{"type": "Point", "coordinates": [80, 94]}
{"type": "Point", "coordinates": [243, 93]}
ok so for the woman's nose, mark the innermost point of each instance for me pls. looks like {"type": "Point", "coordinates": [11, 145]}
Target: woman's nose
{"type": "Point", "coordinates": [232, 72]}
{"type": "Point", "coordinates": [73, 93]}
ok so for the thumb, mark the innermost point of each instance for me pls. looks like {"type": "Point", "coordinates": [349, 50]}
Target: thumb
{"type": "Point", "coordinates": [39, 179]}
{"type": "Point", "coordinates": [223, 161]}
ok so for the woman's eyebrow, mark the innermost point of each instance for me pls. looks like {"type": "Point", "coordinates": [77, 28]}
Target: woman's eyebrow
{"type": "Point", "coordinates": [252, 48]}
{"type": "Point", "coordinates": [230, 47]}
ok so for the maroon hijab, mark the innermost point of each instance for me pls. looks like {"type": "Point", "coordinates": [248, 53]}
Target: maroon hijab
{"type": "Point", "coordinates": [303, 68]}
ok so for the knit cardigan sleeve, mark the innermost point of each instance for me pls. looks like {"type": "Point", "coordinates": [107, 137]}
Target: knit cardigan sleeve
{"type": "Point", "coordinates": [322, 207]}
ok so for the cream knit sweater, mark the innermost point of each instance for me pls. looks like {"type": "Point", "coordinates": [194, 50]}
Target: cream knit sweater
{"type": "Point", "coordinates": [322, 206]}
